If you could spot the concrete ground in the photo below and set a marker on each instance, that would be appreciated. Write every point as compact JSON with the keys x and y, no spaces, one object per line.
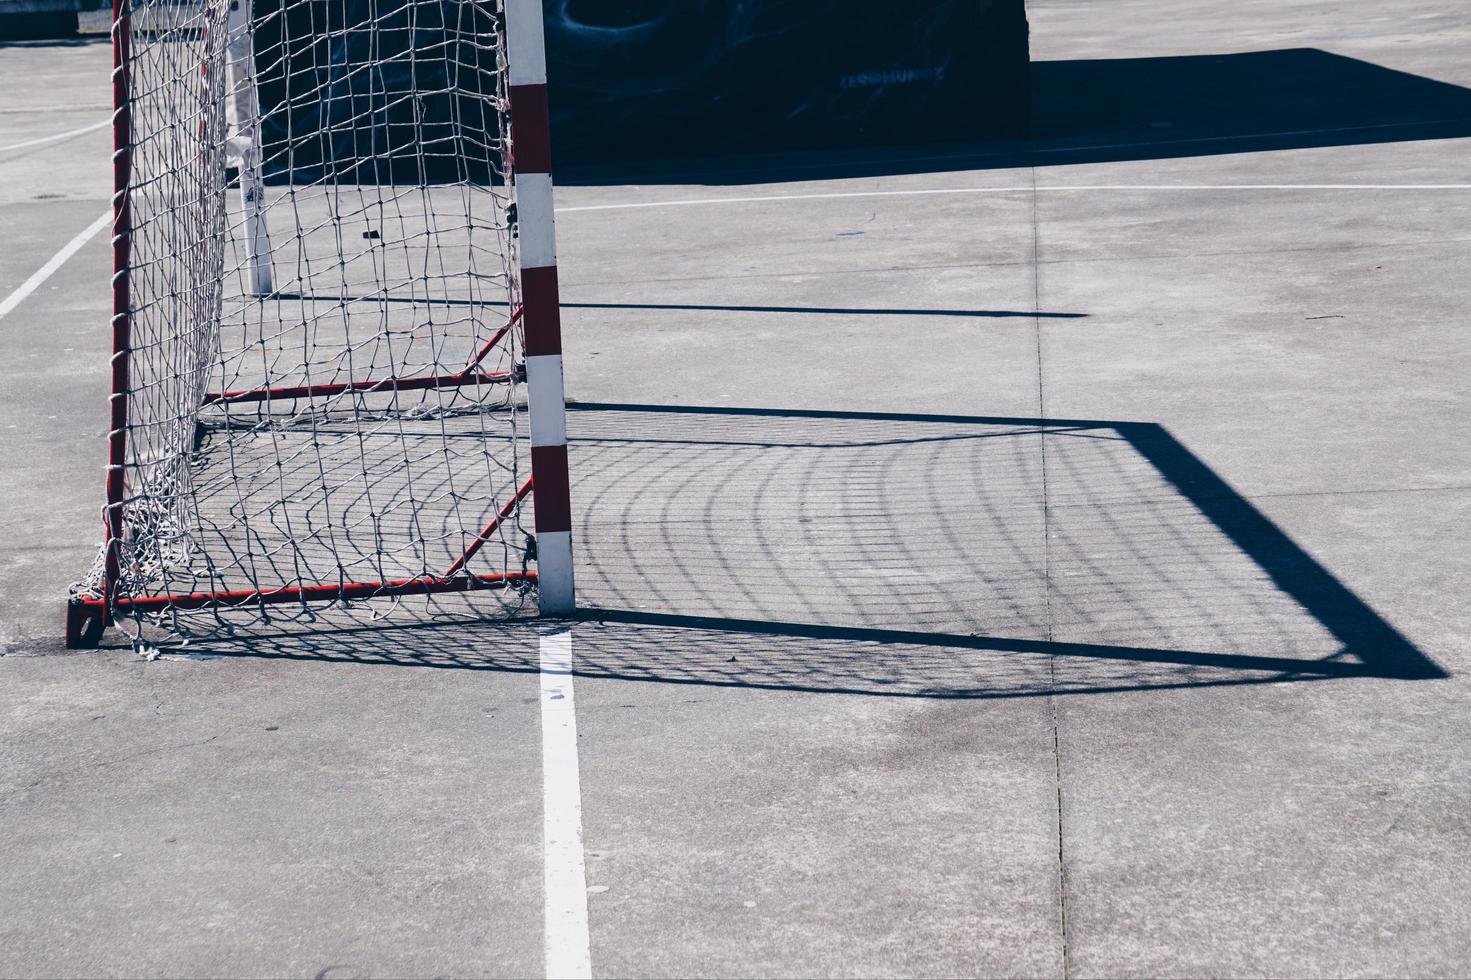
{"x":1065,"y":572}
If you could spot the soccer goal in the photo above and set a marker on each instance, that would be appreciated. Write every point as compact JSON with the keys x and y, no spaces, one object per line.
{"x":336,"y":369}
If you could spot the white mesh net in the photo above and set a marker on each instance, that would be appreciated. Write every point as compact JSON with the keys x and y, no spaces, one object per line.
{"x":324,"y":369}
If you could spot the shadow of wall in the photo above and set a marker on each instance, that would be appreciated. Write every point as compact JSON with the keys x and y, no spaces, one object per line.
{"x":1113,"y":109}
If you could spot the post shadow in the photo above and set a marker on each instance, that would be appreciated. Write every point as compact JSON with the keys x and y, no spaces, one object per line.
{"x":695,"y":307}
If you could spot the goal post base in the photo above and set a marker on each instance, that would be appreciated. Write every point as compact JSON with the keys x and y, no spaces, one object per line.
{"x":87,"y":616}
{"x":85,"y":623}
{"x":555,"y":593}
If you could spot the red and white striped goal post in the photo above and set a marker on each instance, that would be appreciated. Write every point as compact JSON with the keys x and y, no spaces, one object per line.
{"x":540,"y":306}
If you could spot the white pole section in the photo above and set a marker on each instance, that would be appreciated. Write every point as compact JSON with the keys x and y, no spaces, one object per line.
{"x":243,"y":112}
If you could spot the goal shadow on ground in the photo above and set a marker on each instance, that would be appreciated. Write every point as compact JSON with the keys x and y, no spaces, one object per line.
{"x":1116,"y":109}
{"x":903,"y":555}
{"x":937,"y":555}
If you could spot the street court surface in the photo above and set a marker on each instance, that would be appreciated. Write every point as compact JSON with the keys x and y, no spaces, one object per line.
{"x":1033,"y":560}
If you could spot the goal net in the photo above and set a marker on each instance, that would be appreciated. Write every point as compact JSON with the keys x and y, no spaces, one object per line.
{"x":336,"y":377}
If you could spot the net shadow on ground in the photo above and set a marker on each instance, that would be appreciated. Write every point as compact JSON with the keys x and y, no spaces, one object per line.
{"x":905,"y":555}
{"x":971,"y":551}
{"x":1115,"y":109}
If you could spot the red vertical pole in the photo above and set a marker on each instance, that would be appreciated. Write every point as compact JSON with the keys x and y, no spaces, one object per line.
{"x":122,"y":316}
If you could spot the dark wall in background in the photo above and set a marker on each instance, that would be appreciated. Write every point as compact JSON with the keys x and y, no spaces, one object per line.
{"x":663,"y":77}
{"x":635,"y":79}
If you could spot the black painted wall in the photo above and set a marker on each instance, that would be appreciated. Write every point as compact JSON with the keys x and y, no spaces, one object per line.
{"x":633,"y":79}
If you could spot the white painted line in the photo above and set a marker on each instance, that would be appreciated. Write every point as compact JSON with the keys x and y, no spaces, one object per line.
{"x":1044,"y":188}
{"x":52,"y":139}
{"x":55,"y":262}
{"x":568,"y":953}
{"x":1228,"y":138}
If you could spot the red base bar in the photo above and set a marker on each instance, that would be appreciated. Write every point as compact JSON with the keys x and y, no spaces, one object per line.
{"x":85,"y":615}
{"x":388,"y":384}
{"x":318,"y":593}
{"x":469,"y":376}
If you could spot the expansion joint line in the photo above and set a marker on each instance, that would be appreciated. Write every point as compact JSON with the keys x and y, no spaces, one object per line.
{"x":1062,"y":905}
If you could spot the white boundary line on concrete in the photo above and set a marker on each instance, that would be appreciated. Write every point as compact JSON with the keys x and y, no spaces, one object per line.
{"x":55,"y":262}
{"x":568,"y":952}
{"x":1230,"y":138}
{"x":1054,"y":188}
{"x":53,"y":139}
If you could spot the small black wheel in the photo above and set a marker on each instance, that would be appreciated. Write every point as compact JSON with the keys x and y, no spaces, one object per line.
{"x":85,"y":625}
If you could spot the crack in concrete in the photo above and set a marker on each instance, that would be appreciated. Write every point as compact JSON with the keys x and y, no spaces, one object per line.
{"x":1062,"y":903}
{"x":102,"y":764}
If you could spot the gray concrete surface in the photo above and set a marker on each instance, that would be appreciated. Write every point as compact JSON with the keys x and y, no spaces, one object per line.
{"x":989,"y":694}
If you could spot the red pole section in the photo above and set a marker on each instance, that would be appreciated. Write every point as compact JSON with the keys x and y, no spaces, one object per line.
{"x":531,"y":153}
{"x":122,"y":314}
